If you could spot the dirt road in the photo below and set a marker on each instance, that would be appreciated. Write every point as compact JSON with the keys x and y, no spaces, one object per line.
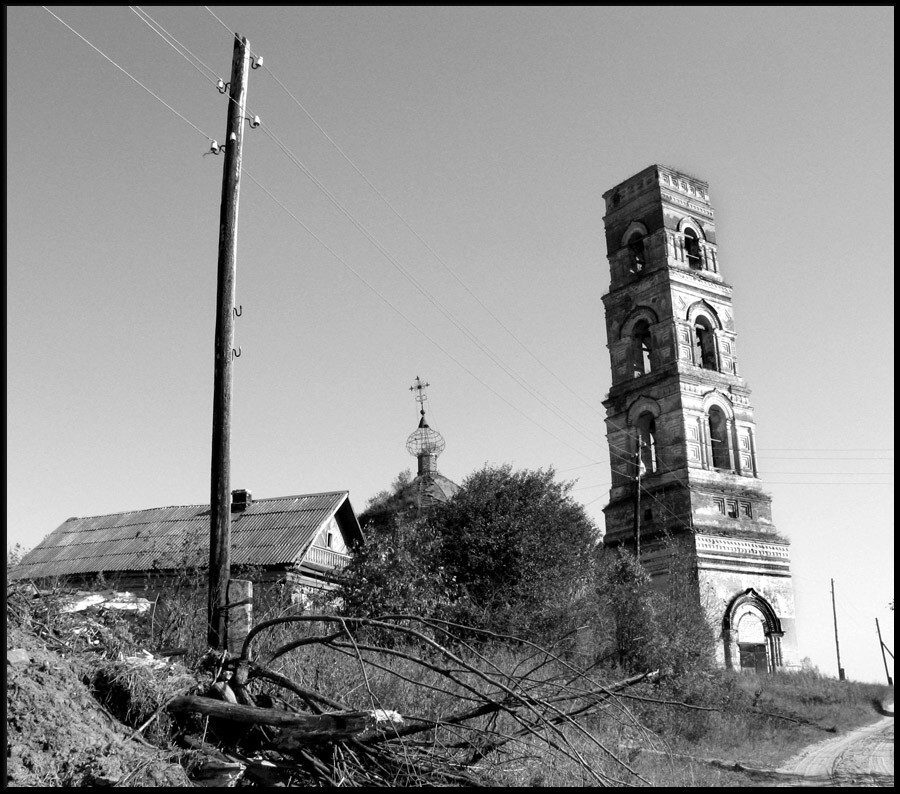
{"x":862,"y":757}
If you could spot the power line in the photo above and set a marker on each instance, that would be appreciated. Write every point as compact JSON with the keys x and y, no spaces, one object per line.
{"x":835,"y":473}
{"x":815,"y":449}
{"x":403,"y":220}
{"x":420,"y":287}
{"x":176,"y":45}
{"x":409,"y":276}
{"x":437,"y":257}
{"x":786,"y":457}
{"x":403,"y":315}
{"x":230,"y":31}
{"x":128,"y":74}
{"x":521,"y":382}
{"x":328,"y":248}
{"x":828,"y":484}
{"x":440,"y":347}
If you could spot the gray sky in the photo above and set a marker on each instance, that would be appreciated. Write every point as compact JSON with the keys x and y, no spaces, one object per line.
{"x":492,"y":133}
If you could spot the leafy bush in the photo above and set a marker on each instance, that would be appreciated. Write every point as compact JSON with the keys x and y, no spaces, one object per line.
{"x":656,"y":627}
{"x":398,"y":570}
{"x":510,"y":552}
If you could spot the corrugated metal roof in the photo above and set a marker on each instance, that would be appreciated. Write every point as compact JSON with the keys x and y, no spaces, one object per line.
{"x":268,"y":532}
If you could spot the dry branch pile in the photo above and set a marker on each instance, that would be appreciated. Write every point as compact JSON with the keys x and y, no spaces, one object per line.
{"x":473,"y":710}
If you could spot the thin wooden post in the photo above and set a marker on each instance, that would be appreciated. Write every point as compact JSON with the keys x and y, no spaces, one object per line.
{"x":883,"y":657}
{"x":220,"y":488}
{"x":837,"y":647}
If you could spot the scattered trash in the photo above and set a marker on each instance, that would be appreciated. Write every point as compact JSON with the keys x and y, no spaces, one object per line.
{"x":17,"y":656}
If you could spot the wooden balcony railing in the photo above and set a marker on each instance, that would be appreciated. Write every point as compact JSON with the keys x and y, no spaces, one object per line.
{"x":325,"y":559}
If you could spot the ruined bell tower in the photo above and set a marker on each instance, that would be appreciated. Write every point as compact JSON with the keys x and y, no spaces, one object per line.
{"x":679,"y":421}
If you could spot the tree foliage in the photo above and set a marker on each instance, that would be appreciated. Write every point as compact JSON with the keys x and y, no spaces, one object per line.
{"x":519,"y":549}
{"x":511,"y":552}
{"x":656,"y":626}
{"x":397,"y":570}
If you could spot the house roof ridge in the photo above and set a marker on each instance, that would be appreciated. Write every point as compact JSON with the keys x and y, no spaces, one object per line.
{"x":301,"y":495}
{"x":202,"y":505}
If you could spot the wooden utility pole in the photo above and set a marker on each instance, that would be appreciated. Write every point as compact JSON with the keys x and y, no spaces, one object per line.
{"x":836,"y":645}
{"x":883,"y":657}
{"x":220,"y":489}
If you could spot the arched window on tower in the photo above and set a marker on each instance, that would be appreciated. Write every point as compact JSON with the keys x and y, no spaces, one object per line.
{"x":646,"y":440}
{"x":641,"y":346}
{"x":692,"y":248}
{"x":718,"y":437}
{"x":704,"y":344}
{"x":636,"y":252}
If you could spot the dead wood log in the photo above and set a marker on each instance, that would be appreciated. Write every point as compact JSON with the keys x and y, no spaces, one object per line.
{"x":303,"y":727}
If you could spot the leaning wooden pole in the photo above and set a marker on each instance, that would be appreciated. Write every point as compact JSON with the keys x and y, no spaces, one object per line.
{"x":220,"y":489}
{"x":883,"y":657}
{"x":837,"y":646}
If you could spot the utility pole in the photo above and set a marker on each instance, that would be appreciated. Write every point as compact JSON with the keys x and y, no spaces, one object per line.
{"x":220,"y":488}
{"x":836,"y":645}
{"x":883,"y":657}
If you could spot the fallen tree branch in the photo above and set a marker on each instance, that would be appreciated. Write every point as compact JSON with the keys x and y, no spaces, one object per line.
{"x":681,"y":704}
{"x":312,"y":727}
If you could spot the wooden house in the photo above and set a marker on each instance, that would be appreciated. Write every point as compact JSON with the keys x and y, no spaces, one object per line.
{"x":298,"y":542}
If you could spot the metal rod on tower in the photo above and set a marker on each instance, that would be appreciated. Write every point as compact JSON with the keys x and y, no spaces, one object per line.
{"x":220,"y":487}
{"x":637,"y":503}
{"x":836,"y":645}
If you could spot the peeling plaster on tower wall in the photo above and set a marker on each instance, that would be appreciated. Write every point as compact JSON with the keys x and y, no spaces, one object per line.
{"x":679,"y":421}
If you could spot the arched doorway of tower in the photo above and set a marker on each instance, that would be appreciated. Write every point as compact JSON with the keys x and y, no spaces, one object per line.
{"x":752,"y":634}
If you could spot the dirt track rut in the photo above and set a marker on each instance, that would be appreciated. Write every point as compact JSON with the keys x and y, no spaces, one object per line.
{"x":862,"y":757}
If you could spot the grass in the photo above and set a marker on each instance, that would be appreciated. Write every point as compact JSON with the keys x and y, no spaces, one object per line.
{"x":663,"y":731}
{"x":658,"y":733}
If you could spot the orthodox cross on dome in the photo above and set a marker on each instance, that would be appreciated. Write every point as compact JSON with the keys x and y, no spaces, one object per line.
{"x":419,"y":393}
{"x":424,"y":443}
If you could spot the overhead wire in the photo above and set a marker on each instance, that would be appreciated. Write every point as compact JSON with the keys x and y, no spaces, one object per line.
{"x":423,"y":290}
{"x":362,"y":228}
{"x":346,"y":264}
{"x":428,"y":247}
{"x":230,"y":31}
{"x":419,"y":286}
{"x":402,"y":314}
{"x":415,"y":233}
{"x":176,"y":45}
{"x":322,"y":242}
{"x":341,"y":259}
{"x":128,"y":74}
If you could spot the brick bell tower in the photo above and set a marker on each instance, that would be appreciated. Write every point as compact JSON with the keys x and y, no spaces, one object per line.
{"x":679,"y":421}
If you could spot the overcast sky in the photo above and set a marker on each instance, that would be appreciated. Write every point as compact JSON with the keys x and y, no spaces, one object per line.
{"x":469,"y":151}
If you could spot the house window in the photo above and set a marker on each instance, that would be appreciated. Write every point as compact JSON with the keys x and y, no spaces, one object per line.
{"x":718,"y":436}
{"x":329,"y":539}
{"x":636,"y":251}
{"x":640,"y":337}
{"x":704,"y":344}
{"x":692,"y":248}
{"x":646,"y":439}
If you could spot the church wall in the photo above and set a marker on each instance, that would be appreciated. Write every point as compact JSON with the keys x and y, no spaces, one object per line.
{"x":719,"y":588}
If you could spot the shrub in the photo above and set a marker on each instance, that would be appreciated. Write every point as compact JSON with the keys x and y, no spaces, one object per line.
{"x":655,"y":628}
